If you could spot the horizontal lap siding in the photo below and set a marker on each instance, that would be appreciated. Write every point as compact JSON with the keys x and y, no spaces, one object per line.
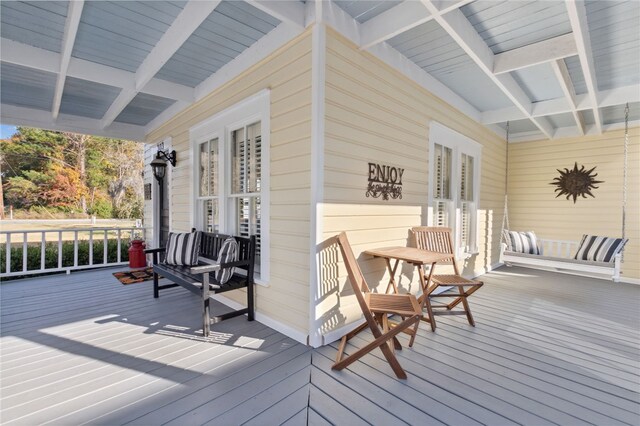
{"x":374,"y":114}
{"x":288,"y":74}
{"x":533,"y":206}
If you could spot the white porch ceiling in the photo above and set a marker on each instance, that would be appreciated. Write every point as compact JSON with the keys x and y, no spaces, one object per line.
{"x":552,"y":68}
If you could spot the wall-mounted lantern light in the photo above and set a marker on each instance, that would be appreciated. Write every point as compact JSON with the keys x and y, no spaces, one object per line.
{"x":159,"y":164}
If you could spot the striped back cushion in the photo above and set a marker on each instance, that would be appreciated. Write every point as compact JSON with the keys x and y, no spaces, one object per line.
{"x":599,"y":249}
{"x":182,"y":249}
{"x":521,"y":242}
{"x":228,"y":253}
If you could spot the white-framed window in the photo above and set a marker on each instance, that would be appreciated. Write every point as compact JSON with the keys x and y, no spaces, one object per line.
{"x":455,"y":181}
{"x":231,"y":173}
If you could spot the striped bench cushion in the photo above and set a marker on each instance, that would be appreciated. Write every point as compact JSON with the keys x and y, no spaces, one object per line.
{"x":599,"y":249}
{"x":521,"y":242}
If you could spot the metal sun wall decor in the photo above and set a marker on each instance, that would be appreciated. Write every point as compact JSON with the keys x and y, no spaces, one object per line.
{"x":576,"y":182}
{"x":384,"y":181}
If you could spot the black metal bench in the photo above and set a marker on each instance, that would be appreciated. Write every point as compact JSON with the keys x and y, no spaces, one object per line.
{"x":193,"y":277}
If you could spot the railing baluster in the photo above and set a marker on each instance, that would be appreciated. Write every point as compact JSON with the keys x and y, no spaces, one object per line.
{"x":43,"y":251}
{"x":75,"y":248}
{"x":105,"y":247}
{"x":60,"y":249}
{"x":8,"y":255}
{"x":119,"y":246}
{"x":29,"y":266}
{"x":24,"y":251}
{"x":90,"y":246}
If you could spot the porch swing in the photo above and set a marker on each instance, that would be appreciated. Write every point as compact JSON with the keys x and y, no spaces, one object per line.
{"x":594,"y":256}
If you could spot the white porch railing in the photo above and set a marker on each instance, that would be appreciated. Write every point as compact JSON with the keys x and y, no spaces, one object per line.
{"x":64,"y":249}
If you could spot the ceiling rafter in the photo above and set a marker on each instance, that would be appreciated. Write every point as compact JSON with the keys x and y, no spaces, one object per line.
{"x":22,"y":116}
{"x":398,"y":19}
{"x":578,"y":19}
{"x":289,"y":12}
{"x":536,"y":53}
{"x":562,"y":74}
{"x":268,"y":44}
{"x":189,"y":19}
{"x":68,"y":41}
{"x":459,"y":28}
{"x":346,"y":25}
{"x":611,"y":97}
{"x":569,"y":132}
{"x":45,"y":60}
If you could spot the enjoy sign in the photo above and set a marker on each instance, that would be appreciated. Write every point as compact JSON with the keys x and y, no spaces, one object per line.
{"x":385,"y":181}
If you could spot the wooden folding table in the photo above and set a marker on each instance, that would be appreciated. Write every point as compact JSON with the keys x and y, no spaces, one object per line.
{"x":417,"y":257}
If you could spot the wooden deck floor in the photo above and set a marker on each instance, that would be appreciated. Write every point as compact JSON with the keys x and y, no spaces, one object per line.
{"x":547,"y":349}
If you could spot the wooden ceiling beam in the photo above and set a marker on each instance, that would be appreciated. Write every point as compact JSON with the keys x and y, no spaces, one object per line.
{"x":562,"y":74}
{"x":193,"y":14}
{"x":459,"y":28}
{"x":288,"y":12}
{"x":68,"y":40}
{"x":44,"y":60}
{"x":536,"y":53}
{"x":611,"y":97}
{"x":578,"y":19}
{"x":398,"y":19}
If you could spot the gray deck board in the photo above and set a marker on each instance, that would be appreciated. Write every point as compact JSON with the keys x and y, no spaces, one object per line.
{"x":413,"y":397}
{"x":290,"y":410}
{"x":325,"y":409}
{"x":547,"y":349}
{"x":278,"y":394}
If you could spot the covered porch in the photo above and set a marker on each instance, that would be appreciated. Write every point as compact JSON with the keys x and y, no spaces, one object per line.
{"x":548,"y":349}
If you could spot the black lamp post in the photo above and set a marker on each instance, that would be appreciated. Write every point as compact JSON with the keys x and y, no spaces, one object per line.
{"x":159,"y":164}
{"x":159,"y":167}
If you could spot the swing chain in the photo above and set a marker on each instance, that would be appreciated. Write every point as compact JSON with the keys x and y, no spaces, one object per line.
{"x":624,"y":176}
{"x":505,"y":217}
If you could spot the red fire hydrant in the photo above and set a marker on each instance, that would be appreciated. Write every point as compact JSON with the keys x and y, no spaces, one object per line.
{"x":137,"y":257}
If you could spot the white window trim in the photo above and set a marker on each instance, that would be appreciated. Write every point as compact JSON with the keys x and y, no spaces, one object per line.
{"x":248,"y":111}
{"x":459,"y":144}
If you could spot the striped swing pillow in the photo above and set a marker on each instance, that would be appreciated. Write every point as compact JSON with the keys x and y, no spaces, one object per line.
{"x":599,"y":249}
{"x":521,"y":242}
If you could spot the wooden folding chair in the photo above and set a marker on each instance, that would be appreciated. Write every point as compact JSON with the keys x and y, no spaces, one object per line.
{"x":438,"y":239}
{"x":376,"y":309}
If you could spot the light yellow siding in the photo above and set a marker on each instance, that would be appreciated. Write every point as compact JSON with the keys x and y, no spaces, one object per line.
{"x":533,"y":204}
{"x":287,"y":73}
{"x":375,"y":114}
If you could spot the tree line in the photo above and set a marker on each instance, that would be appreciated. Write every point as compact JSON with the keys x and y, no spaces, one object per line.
{"x":47,"y":173}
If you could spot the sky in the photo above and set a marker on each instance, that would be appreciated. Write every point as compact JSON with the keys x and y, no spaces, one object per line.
{"x":6,"y":131}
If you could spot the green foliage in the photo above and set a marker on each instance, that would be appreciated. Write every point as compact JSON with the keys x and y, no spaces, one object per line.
{"x":31,"y":149}
{"x":51,"y":254}
{"x":71,"y":172}
{"x":21,"y":192}
{"x":36,"y":177}
{"x":102,"y":209}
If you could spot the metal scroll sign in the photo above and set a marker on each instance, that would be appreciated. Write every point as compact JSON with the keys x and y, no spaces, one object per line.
{"x":147,"y":191}
{"x":384,"y":181}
